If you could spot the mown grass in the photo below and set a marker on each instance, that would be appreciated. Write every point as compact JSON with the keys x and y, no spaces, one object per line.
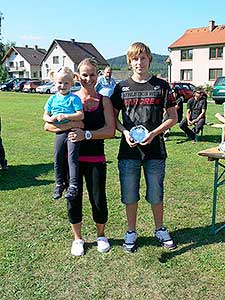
{"x":35,"y":237}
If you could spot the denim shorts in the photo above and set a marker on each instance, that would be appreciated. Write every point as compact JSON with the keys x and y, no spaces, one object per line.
{"x":130,"y":174}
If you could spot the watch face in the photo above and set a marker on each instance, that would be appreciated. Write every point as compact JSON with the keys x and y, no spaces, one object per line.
{"x":88,"y":135}
{"x":138,"y":133}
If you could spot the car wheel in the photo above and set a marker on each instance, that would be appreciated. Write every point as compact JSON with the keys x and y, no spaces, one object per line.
{"x":48,"y":91}
{"x":218,"y":102}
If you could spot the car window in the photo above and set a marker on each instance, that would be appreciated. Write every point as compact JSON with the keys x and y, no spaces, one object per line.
{"x":220,"y":81}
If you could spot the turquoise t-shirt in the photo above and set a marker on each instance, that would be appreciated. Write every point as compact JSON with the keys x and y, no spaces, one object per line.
{"x":60,"y":104}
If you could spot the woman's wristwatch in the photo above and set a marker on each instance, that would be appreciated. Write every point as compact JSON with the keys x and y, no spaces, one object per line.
{"x":87,"y":135}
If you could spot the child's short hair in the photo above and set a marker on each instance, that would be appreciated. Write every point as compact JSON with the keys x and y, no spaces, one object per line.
{"x":136,"y":49}
{"x":61,"y":71}
{"x":87,"y":61}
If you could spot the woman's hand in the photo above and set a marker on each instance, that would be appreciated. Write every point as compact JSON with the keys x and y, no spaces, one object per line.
{"x":76,"y":135}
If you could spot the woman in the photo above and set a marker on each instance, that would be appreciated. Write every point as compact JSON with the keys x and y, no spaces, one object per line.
{"x":99,"y":124}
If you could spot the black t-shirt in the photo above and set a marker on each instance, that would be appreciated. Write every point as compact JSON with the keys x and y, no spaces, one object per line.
{"x":143,"y":104}
{"x":196,"y":106}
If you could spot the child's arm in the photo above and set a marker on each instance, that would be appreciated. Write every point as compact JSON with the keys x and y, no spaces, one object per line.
{"x":48,"y":118}
{"x":77,"y":116}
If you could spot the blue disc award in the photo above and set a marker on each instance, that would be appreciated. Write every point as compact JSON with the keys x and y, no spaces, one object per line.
{"x":138,"y":133}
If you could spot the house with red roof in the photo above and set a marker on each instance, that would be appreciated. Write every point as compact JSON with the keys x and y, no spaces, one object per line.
{"x":198,"y":56}
{"x":70,"y":54}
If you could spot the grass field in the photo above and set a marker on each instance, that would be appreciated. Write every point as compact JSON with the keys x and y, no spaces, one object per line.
{"x":35,"y":236}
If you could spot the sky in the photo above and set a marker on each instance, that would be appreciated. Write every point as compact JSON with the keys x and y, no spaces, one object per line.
{"x":111,"y":26}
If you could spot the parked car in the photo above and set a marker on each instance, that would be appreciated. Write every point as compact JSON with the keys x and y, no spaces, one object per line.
{"x":53,"y":89}
{"x":18,"y":86}
{"x":218,"y":92}
{"x":76,"y":87}
{"x":8,"y":85}
{"x":185,"y":89}
{"x":31,"y":85}
{"x":45,"y":88}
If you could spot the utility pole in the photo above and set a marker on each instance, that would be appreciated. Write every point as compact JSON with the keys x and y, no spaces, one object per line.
{"x":1,"y":18}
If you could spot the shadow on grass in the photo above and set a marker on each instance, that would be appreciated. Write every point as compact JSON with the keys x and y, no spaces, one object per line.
{"x":181,"y":138}
{"x":24,"y":176}
{"x":194,"y":238}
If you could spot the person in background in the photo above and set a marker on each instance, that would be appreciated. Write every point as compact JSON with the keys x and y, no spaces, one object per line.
{"x":3,"y":161}
{"x":60,"y":108}
{"x":142,"y":99}
{"x":196,"y":114}
{"x":99,"y":124}
{"x":106,"y":83}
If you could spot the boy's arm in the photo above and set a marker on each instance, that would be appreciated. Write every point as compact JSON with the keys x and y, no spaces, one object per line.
{"x":122,"y":129}
{"x":168,"y":123}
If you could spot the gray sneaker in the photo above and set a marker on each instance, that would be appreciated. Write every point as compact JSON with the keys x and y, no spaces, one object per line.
{"x":162,"y":235}
{"x":130,"y":240}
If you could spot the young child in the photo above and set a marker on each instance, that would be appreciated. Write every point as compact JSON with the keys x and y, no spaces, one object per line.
{"x":60,"y":108}
{"x":142,"y":99}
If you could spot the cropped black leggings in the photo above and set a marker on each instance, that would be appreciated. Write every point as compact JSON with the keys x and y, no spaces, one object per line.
{"x":95,"y":177}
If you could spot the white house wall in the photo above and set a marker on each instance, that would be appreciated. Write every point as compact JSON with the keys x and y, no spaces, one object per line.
{"x":16,"y":58}
{"x":48,"y":65}
{"x":200,"y":65}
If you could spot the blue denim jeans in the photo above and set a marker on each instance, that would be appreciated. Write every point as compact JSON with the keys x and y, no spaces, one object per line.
{"x":130,"y":175}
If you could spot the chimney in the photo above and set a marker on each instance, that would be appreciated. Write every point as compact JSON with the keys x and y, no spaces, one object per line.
{"x":211,"y":25}
{"x":36,"y":47}
{"x":72,"y":40}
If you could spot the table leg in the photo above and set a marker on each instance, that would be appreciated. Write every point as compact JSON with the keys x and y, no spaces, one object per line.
{"x":216,"y":185}
{"x":215,"y":196}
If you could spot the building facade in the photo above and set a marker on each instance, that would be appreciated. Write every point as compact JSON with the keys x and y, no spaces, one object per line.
{"x":198,"y":56}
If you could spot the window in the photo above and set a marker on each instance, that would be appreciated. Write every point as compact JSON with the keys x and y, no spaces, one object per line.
{"x":186,"y":74}
{"x":35,"y":75}
{"x":55,"y":59}
{"x":11,"y":64}
{"x":186,"y":54}
{"x":215,"y":52}
{"x":214,"y":73}
{"x":21,"y":63}
{"x":64,"y":57}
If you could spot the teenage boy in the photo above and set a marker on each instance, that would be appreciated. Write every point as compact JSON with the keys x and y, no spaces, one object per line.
{"x":142,"y":100}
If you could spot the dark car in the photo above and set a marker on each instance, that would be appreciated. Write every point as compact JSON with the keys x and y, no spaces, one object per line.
{"x":185,"y":89}
{"x":18,"y":87}
{"x":8,"y":85}
{"x":218,"y":92}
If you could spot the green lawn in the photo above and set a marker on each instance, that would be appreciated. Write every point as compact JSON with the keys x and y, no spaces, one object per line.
{"x":35,"y":237}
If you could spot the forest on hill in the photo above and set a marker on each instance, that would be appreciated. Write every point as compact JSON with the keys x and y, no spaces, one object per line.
{"x":158,"y":65}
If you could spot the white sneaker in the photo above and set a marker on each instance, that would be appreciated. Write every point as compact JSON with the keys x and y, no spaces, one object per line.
{"x":77,"y":248}
{"x":130,"y":239}
{"x":103,"y":244}
{"x":163,"y":236}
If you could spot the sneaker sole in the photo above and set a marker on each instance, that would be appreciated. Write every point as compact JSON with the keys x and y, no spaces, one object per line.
{"x":130,"y":250}
{"x":172,"y":247}
{"x":104,"y":251}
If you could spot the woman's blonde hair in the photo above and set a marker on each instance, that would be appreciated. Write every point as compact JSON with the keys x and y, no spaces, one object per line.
{"x":87,"y":61}
{"x":62,"y":71}
{"x":136,"y":49}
